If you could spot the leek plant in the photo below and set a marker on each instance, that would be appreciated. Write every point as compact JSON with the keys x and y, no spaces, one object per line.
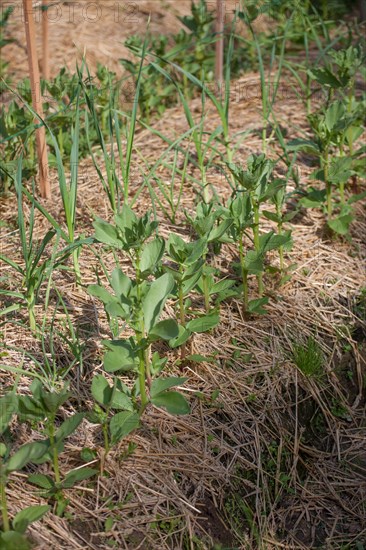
{"x":37,"y":269}
{"x":112,"y":184}
{"x":269,"y":87}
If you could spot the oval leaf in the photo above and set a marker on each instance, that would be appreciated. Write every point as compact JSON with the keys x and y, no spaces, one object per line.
{"x":205,"y":323}
{"x":122,"y":424}
{"x":166,"y":330}
{"x":172,"y":401}
{"x":26,"y":454}
{"x":155,"y":299}
{"x":121,"y":356}
{"x":162,"y":384}
{"x":151,"y":255}
{"x":27,"y":516}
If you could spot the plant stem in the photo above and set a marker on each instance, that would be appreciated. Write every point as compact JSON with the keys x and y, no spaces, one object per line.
{"x":341,"y":193}
{"x":257,"y":245}
{"x":75,"y":257}
{"x":206,"y":194}
{"x":205,"y":287}
{"x":139,"y":337}
{"x":280,"y":250}
{"x":244,"y":274}
{"x":56,"y":467}
{"x":182,"y":313}
{"x":328,"y":185}
{"x":30,"y":304}
{"x":105,"y":437}
{"x":4,"y":505}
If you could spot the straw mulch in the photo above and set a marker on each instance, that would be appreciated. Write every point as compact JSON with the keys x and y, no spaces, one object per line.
{"x":277,"y":460}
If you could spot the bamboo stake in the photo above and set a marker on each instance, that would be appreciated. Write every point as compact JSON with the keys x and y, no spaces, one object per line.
{"x":36,"y":97}
{"x":45,"y":52}
{"x":219,"y":65}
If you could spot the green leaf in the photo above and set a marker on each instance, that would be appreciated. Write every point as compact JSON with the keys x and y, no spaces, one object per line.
{"x":75,"y":476}
{"x":3,"y":450}
{"x":198,"y":358}
{"x":314,"y":199}
{"x":122,"y":424}
{"x":126,"y":219}
{"x":87,"y":454}
{"x":162,"y":384}
{"x":41,"y":480}
{"x":121,"y":401}
{"x":27,"y":516}
{"x":172,"y":401}
{"x":165,"y":330}
{"x":98,"y":291}
{"x":8,"y":407}
{"x":341,"y":224}
{"x":271,"y":241}
{"x":106,"y":233}
{"x":101,"y":390}
{"x":121,"y":356}
{"x":271,"y":216}
{"x":219,"y":230}
{"x":53,"y":401}
{"x":30,"y":409}
{"x":11,"y":540}
{"x":151,"y":255}
{"x":121,"y":284}
{"x":255,"y":306}
{"x":155,"y":299}
{"x":221,"y":286}
{"x":304,"y":145}
{"x":68,"y":426}
{"x":183,"y":336}
{"x":325,"y":77}
{"x":358,"y":197}
{"x":204,"y":323}
{"x":253,"y":262}
{"x":27,"y":453}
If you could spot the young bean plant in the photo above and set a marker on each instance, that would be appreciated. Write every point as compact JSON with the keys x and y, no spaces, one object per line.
{"x":139,"y":302}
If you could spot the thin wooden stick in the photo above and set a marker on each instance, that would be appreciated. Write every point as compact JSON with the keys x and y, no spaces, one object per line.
{"x":45,"y":52}
{"x":36,"y":98}
{"x":219,"y":65}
